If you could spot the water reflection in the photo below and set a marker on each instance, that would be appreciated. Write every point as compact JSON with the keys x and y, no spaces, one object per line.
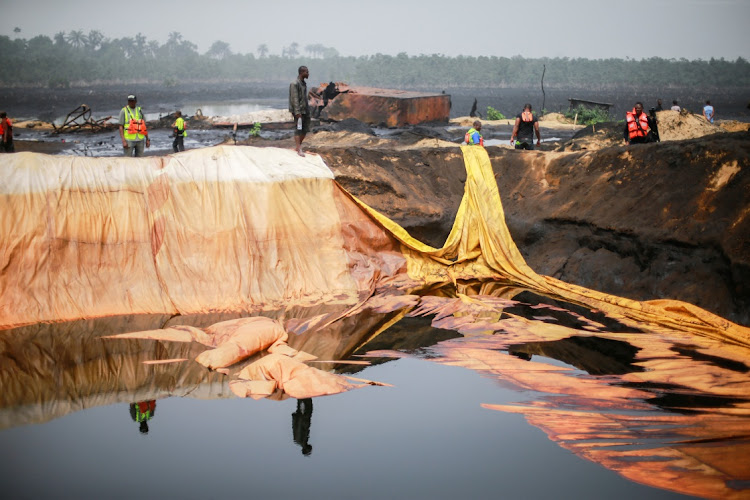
{"x":142,"y":412}
{"x":663,"y":408}
{"x":301,"y":420}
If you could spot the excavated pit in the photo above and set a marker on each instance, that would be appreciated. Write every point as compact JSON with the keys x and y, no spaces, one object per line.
{"x":644,"y":222}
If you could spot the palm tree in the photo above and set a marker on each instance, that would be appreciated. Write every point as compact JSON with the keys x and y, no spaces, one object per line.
{"x":262,"y":50}
{"x":59,"y":38}
{"x":292,"y":51}
{"x":219,"y":50}
{"x":140,"y":45}
{"x":95,"y":39}
{"x":77,"y":39}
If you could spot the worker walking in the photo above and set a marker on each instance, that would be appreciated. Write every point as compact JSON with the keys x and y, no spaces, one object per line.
{"x":179,"y":133}
{"x":6,"y":130}
{"x":133,"y":129}
{"x":473,"y":137}
{"x":524,"y":128}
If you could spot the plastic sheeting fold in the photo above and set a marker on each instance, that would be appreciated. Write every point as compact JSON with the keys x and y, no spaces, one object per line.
{"x":241,"y":228}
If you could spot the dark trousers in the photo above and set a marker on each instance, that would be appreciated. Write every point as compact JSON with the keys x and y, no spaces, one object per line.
{"x":179,"y":143}
{"x":7,"y":147}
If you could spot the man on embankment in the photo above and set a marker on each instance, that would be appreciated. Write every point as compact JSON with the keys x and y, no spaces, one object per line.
{"x":300,"y":108}
{"x":637,"y":126}
{"x":523,"y":130}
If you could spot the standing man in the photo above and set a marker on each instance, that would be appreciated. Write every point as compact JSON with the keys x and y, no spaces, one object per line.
{"x":473,"y":137}
{"x":637,"y":126}
{"x":6,"y":129}
{"x":524,"y":128}
{"x":675,"y":106}
{"x":659,"y":106}
{"x":708,"y":112}
{"x":300,"y":108}
{"x":179,"y":132}
{"x":133,"y":129}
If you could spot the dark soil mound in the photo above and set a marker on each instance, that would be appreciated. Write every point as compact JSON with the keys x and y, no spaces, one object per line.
{"x":351,"y":125}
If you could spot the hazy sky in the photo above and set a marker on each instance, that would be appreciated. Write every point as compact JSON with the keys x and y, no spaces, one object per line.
{"x":574,"y":28}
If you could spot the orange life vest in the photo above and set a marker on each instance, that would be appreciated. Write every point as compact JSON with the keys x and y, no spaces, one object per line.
{"x":136,"y":124}
{"x":637,"y":125}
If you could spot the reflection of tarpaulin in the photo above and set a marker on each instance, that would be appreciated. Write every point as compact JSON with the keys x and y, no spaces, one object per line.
{"x":243,"y":229}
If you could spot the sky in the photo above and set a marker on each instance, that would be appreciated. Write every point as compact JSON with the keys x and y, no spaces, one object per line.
{"x":693,"y":29}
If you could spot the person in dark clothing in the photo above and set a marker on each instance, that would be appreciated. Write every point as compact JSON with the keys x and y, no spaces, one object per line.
{"x":659,"y":107}
{"x":299,"y":107}
{"x":301,"y":420}
{"x":523,"y":130}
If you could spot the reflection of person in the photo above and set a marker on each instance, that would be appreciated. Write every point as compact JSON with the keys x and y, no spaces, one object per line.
{"x":133,"y":128}
{"x":473,"y":137}
{"x":523,"y":130}
{"x":299,"y":107}
{"x":301,"y":424}
{"x":675,"y":106}
{"x":6,"y":130}
{"x":143,"y":412}
{"x":637,"y":126}
{"x":708,"y":112}
{"x":179,"y":132}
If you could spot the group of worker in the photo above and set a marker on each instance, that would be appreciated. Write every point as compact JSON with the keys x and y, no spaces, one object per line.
{"x":639,"y":127}
{"x":134,"y":133}
{"x":526,"y":125}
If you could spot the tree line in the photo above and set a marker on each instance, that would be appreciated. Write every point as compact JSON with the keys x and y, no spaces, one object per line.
{"x":78,"y":58}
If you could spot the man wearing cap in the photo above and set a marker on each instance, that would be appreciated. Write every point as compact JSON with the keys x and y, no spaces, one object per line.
{"x":133,"y":129}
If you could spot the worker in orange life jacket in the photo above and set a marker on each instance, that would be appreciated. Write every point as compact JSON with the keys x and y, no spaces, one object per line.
{"x":133,"y":130}
{"x":524,"y":128}
{"x":638,"y":126}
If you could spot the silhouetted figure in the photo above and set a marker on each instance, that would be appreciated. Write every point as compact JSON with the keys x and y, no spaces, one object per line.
{"x":301,"y":424}
{"x":143,"y":412}
{"x":474,"y":113}
{"x":659,"y":106}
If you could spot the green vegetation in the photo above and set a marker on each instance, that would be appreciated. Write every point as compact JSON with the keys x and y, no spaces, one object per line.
{"x":78,"y":58}
{"x":588,"y":116}
{"x":493,"y":114}
{"x":255,"y":131}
